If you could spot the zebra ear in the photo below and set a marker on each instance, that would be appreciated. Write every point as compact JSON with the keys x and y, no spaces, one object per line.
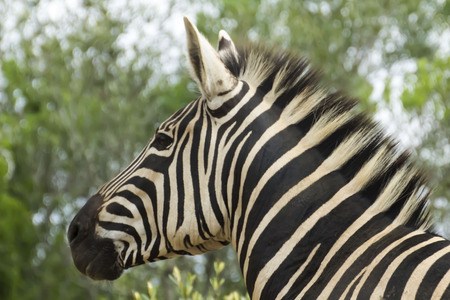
{"x":227,"y":49}
{"x":208,"y":69}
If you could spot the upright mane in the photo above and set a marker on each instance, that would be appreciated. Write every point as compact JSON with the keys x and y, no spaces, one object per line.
{"x":399,"y":186}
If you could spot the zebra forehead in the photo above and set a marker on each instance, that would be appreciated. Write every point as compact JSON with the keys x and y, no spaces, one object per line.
{"x":175,"y":119}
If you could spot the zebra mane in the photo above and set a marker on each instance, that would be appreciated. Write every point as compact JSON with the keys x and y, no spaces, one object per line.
{"x":391,"y":174}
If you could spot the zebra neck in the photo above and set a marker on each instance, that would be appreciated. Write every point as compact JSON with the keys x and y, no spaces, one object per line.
{"x":307,"y":189}
{"x":293,"y":209}
{"x":285,"y":245}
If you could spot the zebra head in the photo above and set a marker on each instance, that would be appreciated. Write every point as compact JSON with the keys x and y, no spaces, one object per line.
{"x":165,"y":203}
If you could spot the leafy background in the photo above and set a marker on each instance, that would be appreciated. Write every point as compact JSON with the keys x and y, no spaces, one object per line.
{"x":83,"y":85}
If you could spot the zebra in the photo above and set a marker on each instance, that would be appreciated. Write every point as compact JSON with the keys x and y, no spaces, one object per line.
{"x":317,"y":201}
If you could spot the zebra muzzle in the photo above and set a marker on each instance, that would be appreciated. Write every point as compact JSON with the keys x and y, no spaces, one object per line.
{"x":93,"y":256}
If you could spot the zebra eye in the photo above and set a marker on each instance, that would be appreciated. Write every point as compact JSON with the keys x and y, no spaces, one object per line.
{"x":162,"y":141}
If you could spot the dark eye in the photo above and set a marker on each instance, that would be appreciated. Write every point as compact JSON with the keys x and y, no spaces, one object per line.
{"x":162,"y":141}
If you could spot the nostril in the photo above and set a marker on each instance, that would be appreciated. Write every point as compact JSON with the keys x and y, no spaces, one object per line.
{"x":81,"y":226}
{"x":73,"y":232}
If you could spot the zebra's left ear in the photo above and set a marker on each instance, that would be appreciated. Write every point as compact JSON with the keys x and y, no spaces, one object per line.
{"x":208,"y":69}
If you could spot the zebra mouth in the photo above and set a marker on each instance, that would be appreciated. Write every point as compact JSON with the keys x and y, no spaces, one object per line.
{"x":97,"y":259}
{"x":101,"y":269}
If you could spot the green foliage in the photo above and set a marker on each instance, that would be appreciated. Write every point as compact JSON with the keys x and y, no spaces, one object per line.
{"x":429,"y":84}
{"x":186,"y":288}
{"x":18,"y":237}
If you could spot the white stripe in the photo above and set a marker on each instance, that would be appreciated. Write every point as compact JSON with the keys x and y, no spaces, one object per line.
{"x":230,"y":183}
{"x":291,"y":281}
{"x":344,"y":294}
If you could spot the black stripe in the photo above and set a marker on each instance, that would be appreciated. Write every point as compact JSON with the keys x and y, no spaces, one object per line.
{"x":180,"y":183}
{"x":256,"y":129}
{"x":139,"y":204}
{"x":187,"y":242}
{"x":126,"y":245}
{"x":129,"y":261}
{"x":376,"y":274}
{"x":118,"y":210}
{"x":351,"y":290}
{"x":230,"y":103}
{"x":207,"y":141}
{"x":400,"y":277}
{"x":433,"y":276}
{"x":129,"y":230}
{"x":165,"y":216}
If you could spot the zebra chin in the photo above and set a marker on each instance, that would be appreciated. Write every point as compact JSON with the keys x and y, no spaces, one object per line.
{"x":93,"y":256}
{"x":99,"y":261}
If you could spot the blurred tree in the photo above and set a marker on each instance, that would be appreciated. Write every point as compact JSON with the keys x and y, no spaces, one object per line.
{"x":15,"y":222}
{"x":82,"y":87}
{"x":426,"y":96}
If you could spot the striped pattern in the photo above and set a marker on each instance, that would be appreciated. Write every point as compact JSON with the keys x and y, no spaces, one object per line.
{"x":316,"y":201}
